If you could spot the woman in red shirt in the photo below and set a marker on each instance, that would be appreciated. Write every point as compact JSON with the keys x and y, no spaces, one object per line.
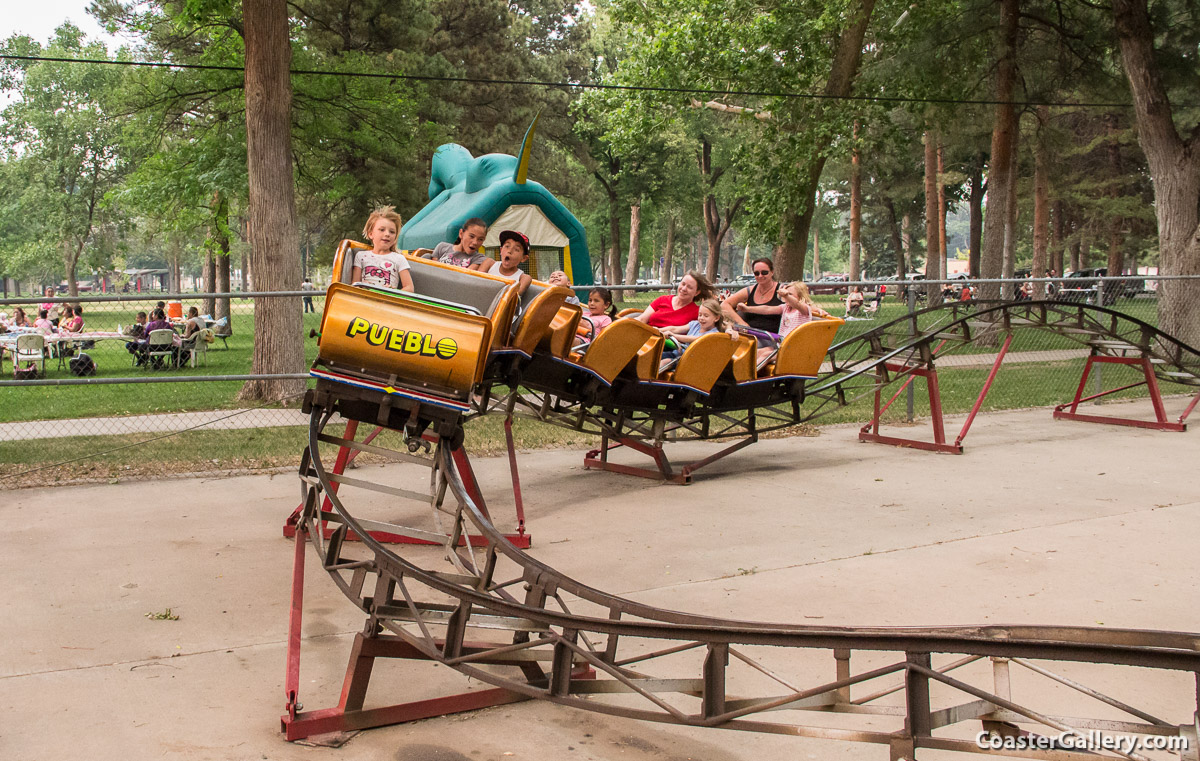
{"x":681,"y":308}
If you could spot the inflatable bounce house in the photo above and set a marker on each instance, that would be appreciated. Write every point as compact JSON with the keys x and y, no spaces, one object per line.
{"x":495,"y":188}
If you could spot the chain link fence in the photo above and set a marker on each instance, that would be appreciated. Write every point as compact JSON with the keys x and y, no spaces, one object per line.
{"x":134,"y":415}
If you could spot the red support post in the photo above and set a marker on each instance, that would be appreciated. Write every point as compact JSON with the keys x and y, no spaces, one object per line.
{"x":987,"y":386}
{"x":516,"y":477}
{"x":1160,"y":422}
{"x":870,"y":431}
{"x":598,"y":459}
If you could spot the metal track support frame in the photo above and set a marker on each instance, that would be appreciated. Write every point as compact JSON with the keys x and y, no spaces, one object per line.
{"x":345,"y":457}
{"x":870,"y":431}
{"x":1069,"y":411}
{"x":598,"y":459}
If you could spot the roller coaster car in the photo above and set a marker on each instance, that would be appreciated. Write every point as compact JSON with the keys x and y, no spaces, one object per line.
{"x":462,"y":331}
{"x":435,"y":343}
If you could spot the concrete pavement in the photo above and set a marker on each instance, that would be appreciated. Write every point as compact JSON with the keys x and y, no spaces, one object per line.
{"x":1039,"y":522}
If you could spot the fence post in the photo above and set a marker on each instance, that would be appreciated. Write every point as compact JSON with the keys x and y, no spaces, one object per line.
{"x":912,"y":330}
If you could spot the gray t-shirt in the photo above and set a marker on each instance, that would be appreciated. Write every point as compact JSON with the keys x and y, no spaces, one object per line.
{"x":444,"y":252}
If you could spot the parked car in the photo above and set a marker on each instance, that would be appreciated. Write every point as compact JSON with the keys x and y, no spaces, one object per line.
{"x":829,"y":284}
{"x":1080,"y":287}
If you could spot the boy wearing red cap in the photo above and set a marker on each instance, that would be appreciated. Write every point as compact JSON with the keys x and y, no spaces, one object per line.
{"x":514,"y":249}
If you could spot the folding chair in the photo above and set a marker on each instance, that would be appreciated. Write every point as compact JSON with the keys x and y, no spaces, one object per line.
{"x":200,"y":343}
{"x":162,"y":344}
{"x":31,"y":347}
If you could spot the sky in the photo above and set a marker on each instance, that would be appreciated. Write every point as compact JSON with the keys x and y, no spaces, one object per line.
{"x":39,"y":18}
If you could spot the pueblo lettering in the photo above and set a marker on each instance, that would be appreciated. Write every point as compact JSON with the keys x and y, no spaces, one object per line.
{"x":402,"y":341}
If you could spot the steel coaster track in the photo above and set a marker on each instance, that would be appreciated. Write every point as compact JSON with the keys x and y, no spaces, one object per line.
{"x":493,"y":607}
{"x":864,"y":364}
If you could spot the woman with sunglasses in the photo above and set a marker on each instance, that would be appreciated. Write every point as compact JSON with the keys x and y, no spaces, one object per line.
{"x":759,"y":305}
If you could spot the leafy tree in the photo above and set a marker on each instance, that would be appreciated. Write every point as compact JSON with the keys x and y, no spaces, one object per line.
{"x":68,"y":147}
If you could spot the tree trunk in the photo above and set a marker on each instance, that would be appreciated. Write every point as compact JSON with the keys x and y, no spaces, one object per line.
{"x":746,"y":261}
{"x":1175,"y":169}
{"x":1010,"y":223}
{"x":209,"y":281}
{"x":1076,"y":245}
{"x":245,"y":272}
{"x":1115,"y":237}
{"x":816,"y":253}
{"x":221,"y":244}
{"x":976,"y":203}
{"x":1056,"y":238}
{"x":614,"y":254}
{"x":991,"y":259}
{"x":941,"y":198}
{"x":933,"y":249}
{"x":274,"y":243}
{"x":793,"y":239}
{"x":669,"y":250}
{"x":894,"y":232}
{"x":70,"y":260}
{"x":714,"y":227}
{"x":905,"y":263}
{"x":1041,"y":201}
{"x":635,"y":242}
{"x":855,"y":210}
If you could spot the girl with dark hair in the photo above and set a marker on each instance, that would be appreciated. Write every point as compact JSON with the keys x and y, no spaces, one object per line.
{"x":464,"y":251}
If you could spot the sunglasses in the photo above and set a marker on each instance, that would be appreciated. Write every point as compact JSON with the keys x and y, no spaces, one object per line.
{"x":762,"y":272}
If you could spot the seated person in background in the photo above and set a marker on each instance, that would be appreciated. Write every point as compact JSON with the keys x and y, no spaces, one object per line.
{"x":66,"y":320}
{"x":195,"y":323}
{"x":965,"y":294}
{"x":43,"y":324}
{"x":854,"y":301}
{"x":600,"y":313}
{"x":19,"y":320}
{"x":514,"y":249}
{"x":78,"y":324}
{"x":560,"y":279}
{"x":464,"y":252}
{"x":382,"y":265}
{"x":708,"y":320}
{"x":138,"y":328}
{"x":158,"y":321}
{"x":681,"y":308}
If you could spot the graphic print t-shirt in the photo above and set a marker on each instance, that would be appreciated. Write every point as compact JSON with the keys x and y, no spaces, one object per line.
{"x":380,"y":269}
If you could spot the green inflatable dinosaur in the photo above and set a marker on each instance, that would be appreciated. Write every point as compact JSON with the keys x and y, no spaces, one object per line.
{"x":495,"y":189}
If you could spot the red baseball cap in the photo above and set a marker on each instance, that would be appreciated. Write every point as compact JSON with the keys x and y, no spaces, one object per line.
{"x":518,"y":237}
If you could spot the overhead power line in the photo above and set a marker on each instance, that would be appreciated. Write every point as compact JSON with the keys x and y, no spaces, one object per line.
{"x":579,"y":85}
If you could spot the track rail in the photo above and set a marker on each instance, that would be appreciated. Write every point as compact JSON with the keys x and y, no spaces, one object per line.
{"x":492,"y":605}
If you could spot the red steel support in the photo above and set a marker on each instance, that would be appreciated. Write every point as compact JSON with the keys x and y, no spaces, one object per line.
{"x":349,"y":714}
{"x":291,"y":686}
{"x":598,"y":459}
{"x":516,"y":477}
{"x":870,"y":431}
{"x":1160,"y":422}
{"x":987,"y":386}
{"x":346,"y":455}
